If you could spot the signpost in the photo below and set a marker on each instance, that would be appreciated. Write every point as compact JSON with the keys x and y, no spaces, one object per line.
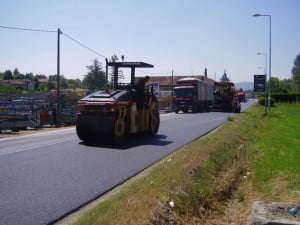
{"x":259,"y":83}
{"x":260,"y":86}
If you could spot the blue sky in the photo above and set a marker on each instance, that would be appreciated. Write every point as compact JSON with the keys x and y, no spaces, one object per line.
{"x":185,"y":36}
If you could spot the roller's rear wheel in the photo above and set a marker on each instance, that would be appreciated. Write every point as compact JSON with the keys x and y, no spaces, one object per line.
{"x":154,"y":122}
{"x":119,"y":132}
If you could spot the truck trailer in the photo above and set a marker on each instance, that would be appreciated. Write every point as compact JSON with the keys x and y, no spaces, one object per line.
{"x":192,"y":94}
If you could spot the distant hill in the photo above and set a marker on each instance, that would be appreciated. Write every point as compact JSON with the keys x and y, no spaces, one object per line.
{"x":244,"y":85}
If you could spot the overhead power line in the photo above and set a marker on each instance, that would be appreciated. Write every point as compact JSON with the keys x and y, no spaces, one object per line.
{"x":27,"y":29}
{"x":79,"y":43}
{"x":54,"y":31}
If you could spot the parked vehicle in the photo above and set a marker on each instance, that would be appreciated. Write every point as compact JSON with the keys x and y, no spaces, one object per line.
{"x":241,"y":96}
{"x":114,"y":114}
{"x":192,"y":94}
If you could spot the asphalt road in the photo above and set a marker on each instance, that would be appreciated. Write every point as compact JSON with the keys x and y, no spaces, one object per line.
{"x":44,"y":177}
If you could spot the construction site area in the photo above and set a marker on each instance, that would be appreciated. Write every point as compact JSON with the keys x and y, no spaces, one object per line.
{"x":25,"y":111}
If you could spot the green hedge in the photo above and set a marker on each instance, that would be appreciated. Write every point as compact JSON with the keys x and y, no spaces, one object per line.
{"x":280,"y":97}
{"x":286,"y":97}
{"x":261,"y":100}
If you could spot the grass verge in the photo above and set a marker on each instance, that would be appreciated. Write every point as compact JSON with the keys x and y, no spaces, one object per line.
{"x":215,"y":179}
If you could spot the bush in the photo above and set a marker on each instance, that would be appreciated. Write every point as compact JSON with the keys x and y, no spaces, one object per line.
{"x":165,"y":102}
{"x":286,"y":97}
{"x":261,"y":100}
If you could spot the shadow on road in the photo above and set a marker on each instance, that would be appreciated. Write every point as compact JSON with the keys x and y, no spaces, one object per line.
{"x":132,"y":141}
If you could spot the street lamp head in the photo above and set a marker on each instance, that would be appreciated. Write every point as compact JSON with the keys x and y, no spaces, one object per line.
{"x":260,"y":53}
{"x":257,"y":15}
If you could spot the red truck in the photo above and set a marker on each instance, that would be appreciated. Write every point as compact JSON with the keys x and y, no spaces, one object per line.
{"x":241,"y":96}
{"x":192,"y":94}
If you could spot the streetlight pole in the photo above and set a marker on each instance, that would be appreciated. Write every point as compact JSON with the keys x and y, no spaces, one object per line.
{"x":270,"y":56}
{"x":265,"y":72}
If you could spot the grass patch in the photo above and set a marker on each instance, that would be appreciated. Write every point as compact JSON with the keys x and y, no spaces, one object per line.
{"x":212,"y":172}
{"x":278,"y":145}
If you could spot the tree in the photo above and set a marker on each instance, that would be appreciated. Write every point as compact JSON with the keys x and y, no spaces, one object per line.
{"x":51,"y":85}
{"x":36,"y":83}
{"x":8,"y":75}
{"x":19,"y":76}
{"x":115,"y":58}
{"x":74,"y":83}
{"x":286,"y":85}
{"x":95,"y":79}
{"x":63,"y":82}
{"x":296,"y":72}
{"x":7,"y":89}
{"x":275,"y":85}
{"x":29,"y":76}
{"x":16,"y":71}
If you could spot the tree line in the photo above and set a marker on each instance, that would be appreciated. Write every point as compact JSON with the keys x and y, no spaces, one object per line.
{"x":34,"y":79}
{"x":288,"y":85}
{"x":95,"y":79}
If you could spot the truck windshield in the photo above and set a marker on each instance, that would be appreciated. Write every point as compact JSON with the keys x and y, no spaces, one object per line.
{"x":183,"y":92}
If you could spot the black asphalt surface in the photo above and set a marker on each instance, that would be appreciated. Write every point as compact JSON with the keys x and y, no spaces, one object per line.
{"x":46,"y":176}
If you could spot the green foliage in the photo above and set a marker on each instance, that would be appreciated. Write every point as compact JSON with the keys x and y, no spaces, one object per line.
{"x":296,"y":72}
{"x":230,"y":118}
{"x":262,"y":100}
{"x":115,"y":58}
{"x":8,"y":75}
{"x":241,"y":196}
{"x":286,"y":97}
{"x":34,"y":80}
{"x":7,"y":89}
{"x":95,"y":79}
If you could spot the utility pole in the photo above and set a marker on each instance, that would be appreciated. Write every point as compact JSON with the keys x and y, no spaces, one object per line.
{"x":172,"y":82}
{"x":106,"y":71}
{"x":58,"y":81}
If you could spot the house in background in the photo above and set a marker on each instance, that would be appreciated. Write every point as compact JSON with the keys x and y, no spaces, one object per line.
{"x":166,"y":83}
{"x":25,"y":84}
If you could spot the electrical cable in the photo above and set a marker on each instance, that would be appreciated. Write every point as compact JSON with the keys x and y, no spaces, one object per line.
{"x":82,"y":45}
{"x":27,"y":29}
{"x":52,"y":31}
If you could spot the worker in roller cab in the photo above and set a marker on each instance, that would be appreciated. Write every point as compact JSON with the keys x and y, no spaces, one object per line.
{"x":140,"y":92}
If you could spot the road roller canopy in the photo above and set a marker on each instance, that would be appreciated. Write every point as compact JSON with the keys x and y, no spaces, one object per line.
{"x":132,"y":65}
